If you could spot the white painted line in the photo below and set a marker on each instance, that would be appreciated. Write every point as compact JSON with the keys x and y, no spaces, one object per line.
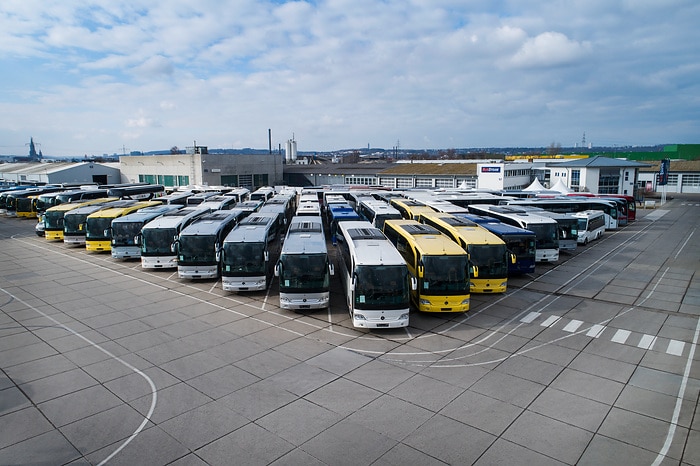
{"x":675,"y":347}
{"x":595,"y":331}
{"x":573,"y":326}
{"x":549,"y":321}
{"x":530,"y":317}
{"x":621,"y":336}
{"x":647,"y":342}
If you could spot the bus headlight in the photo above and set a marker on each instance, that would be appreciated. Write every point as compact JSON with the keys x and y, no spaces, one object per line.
{"x":284,"y":299}
{"x":403,"y":316}
{"x":504,"y":284}
{"x":425,"y":302}
{"x":465,"y":301}
{"x":359,"y":316}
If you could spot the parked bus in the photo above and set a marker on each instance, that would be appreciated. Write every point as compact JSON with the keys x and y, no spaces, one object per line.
{"x":304,"y":268}
{"x":98,"y":225}
{"x":282,"y":204}
{"x":137,"y":191}
{"x":240,"y":194}
{"x":567,"y":223}
{"x":574,"y":204}
{"x":377,"y":212}
{"x":488,"y":255}
{"x":546,"y":229}
{"x":591,"y":225}
{"x":263,"y":193}
{"x":250,"y":206}
{"x":158,"y":237}
{"x":439,"y":265}
{"x":375,"y":277}
{"x":176,"y":198}
{"x":74,"y":221}
{"x":52,"y":221}
{"x":198,"y":246}
{"x":519,"y":242}
{"x":250,"y":252}
{"x":63,"y":197}
{"x":629,"y":202}
{"x":198,"y":198}
{"x":218,"y":203}
{"x":409,"y":208}
{"x":26,"y":197}
{"x":308,"y":208}
{"x":126,"y":230}
{"x":338,"y":213}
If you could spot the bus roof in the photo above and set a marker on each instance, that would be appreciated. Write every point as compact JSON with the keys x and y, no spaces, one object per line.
{"x":147,"y":213}
{"x":211,"y":223}
{"x":469,"y":231}
{"x":427,"y":239}
{"x":118,"y":211}
{"x":305,"y":235}
{"x":376,"y":248}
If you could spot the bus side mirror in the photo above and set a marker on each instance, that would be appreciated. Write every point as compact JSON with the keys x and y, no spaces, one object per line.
{"x":513,"y":259}
{"x":107,"y":232}
{"x":421,"y":270}
{"x":331,"y":269}
{"x":266,"y":256}
{"x":278,"y":269}
{"x":174,"y":246}
{"x":137,"y":239}
{"x":352,"y":282}
{"x":414,"y":283}
{"x":475,"y":271}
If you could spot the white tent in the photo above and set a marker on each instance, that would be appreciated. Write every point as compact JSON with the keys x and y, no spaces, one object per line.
{"x":535,"y":186}
{"x":561,"y":187}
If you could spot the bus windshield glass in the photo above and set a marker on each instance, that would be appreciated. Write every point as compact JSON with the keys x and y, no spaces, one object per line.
{"x":381,"y":287}
{"x":300,"y":272}
{"x":198,"y":248}
{"x":491,"y":259}
{"x":74,"y":223}
{"x":546,"y":235}
{"x":244,"y":259}
{"x":124,"y":233}
{"x":155,"y":241}
{"x":53,"y":220}
{"x":447,"y":275}
{"x":96,"y":227}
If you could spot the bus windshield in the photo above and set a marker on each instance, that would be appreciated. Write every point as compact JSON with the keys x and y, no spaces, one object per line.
{"x":53,"y":220}
{"x":491,"y":259}
{"x":381,"y":287}
{"x":447,"y":275}
{"x":157,"y":240}
{"x":521,"y":246}
{"x":124,"y":233}
{"x":547,"y":235}
{"x":300,"y":272}
{"x":199,"y":248}
{"x":96,"y":227}
{"x":74,"y":223}
{"x":244,"y":259}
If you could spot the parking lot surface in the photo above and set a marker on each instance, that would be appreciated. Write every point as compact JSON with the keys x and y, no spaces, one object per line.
{"x":592,"y":360}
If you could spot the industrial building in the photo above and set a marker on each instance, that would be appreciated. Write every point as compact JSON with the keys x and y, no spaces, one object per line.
{"x":60,"y":172}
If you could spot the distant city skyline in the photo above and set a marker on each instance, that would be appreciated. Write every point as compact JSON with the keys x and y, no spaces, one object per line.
{"x":98,"y":77}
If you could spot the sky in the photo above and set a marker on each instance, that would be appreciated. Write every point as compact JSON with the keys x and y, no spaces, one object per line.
{"x":113,"y":76}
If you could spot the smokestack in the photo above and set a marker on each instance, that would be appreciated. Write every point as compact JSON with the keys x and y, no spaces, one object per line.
{"x":269,"y":140}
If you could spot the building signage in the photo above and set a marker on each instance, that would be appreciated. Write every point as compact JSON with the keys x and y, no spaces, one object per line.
{"x":490,"y":169}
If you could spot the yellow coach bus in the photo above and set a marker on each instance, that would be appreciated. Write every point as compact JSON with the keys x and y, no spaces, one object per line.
{"x":440,"y":266}
{"x":488,"y":254}
{"x":98,"y":225}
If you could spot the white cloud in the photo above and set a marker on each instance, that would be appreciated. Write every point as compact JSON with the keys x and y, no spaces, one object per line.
{"x":549,"y":49}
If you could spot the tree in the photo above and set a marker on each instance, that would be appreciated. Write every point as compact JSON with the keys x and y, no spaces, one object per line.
{"x":554,"y":148}
{"x":174,"y":150}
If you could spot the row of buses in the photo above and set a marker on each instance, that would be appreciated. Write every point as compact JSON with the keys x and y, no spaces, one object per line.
{"x":394,"y":250}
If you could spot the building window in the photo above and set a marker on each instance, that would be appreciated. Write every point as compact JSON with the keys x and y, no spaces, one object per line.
{"x":245,"y":180}
{"x":608,"y":182}
{"x":404,"y":182}
{"x":183,"y":180}
{"x":444,"y":183}
{"x":424,"y":183}
{"x":229,"y":180}
{"x":689,"y":180}
{"x":359,"y":180}
{"x":150,"y":179}
{"x":260,"y":180}
{"x":575,"y":179}
{"x":388,"y":182}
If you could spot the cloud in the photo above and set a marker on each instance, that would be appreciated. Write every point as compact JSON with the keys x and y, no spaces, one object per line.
{"x":549,"y":49}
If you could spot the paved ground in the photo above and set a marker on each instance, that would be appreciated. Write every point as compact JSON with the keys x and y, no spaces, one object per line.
{"x":590,"y":361}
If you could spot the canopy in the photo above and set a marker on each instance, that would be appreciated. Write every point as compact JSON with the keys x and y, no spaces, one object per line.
{"x":535,"y":186}
{"x":561,"y":187}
